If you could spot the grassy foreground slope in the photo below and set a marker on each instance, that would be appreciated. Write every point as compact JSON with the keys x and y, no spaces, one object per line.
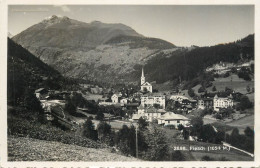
{"x":28,"y":149}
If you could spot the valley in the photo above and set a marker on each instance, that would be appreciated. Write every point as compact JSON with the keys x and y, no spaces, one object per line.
{"x":103,"y":92}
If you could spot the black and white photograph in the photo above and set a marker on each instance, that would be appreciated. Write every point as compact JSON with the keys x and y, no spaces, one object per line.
{"x":130,"y":83}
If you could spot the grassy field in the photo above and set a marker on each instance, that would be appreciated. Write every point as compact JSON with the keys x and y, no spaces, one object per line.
{"x":233,"y":82}
{"x":237,"y":84}
{"x":241,"y":124}
{"x":94,"y":97}
{"x":28,"y":149}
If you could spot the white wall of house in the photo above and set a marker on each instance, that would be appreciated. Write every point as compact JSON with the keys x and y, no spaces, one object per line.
{"x":151,"y":100}
{"x":114,"y":98}
{"x":123,"y":101}
{"x":222,"y":103}
{"x":152,"y":116}
{"x":174,"y":122}
{"x":149,"y":88}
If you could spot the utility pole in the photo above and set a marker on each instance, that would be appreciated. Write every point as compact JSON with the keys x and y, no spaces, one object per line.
{"x":136,"y":140}
{"x":225,"y":133}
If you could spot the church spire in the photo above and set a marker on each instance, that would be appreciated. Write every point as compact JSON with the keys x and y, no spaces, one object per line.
{"x":142,"y":77}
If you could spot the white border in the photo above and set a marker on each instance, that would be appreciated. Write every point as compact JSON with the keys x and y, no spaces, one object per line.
{"x":3,"y":76}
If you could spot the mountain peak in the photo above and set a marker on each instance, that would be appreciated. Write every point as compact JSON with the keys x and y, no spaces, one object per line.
{"x":55,"y":19}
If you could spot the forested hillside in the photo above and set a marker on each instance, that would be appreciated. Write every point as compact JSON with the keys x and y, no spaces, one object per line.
{"x":27,"y":72}
{"x":188,"y":64}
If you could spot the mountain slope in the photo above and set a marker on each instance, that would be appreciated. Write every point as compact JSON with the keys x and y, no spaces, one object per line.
{"x":96,"y":51}
{"x":27,"y":71}
{"x":188,"y":64}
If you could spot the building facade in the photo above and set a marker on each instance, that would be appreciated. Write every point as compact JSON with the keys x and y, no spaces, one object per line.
{"x":223,"y":102}
{"x":156,"y":100}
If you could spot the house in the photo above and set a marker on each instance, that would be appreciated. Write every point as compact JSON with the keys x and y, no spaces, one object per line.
{"x":123,"y":101}
{"x":171,"y":118}
{"x":145,"y":86}
{"x":41,"y":93}
{"x":140,"y":109}
{"x":187,"y":108}
{"x":136,"y":117}
{"x":179,"y":98}
{"x":116,"y":98}
{"x":132,"y":106}
{"x":223,"y":102}
{"x":153,"y":99}
{"x":152,"y":113}
{"x":205,"y":103}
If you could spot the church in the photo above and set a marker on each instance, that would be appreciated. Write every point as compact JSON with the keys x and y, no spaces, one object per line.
{"x":145,"y":86}
{"x":150,"y":98}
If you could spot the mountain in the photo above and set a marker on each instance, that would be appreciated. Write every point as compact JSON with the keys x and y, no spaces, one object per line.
{"x":25,"y":71}
{"x":188,"y":64}
{"x":95,"y":51}
{"x":115,"y":53}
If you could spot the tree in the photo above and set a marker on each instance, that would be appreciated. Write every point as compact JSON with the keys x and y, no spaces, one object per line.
{"x":201,"y":89}
{"x":245,"y":103}
{"x":214,"y":89}
{"x":178,"y":156}
{"x":197,"y":124}
{"x":157,"y":145}
{"x":31,"y":103}
{"x":248,"y":88}
{"x":89,"y":130}
{"x":249,"y":132}
{"x":125,"y":140}
{"x":100,"y":115}
{"x":180,"y":127}
{"x":104,"y":131}
{"x":70,"y":107}
{"x":207,"y":133}
{"x":235,"y":137}
{"x":191,"y":92}
{"x":142,"y":123}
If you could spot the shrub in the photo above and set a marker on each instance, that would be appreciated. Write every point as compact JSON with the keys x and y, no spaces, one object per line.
{"x":201,"y":89}
{"x":26,"y":128}
{"x":178,"y":156}
{"x":191,"y":92}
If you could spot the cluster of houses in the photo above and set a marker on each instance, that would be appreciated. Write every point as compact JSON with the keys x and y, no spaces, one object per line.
{"x":146,"y":104}
{"x":152,"y":106}
{"x":223,"y":67}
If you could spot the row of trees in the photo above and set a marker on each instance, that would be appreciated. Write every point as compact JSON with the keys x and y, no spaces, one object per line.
{"x":151,"y":142}
{"x":208,"y":133}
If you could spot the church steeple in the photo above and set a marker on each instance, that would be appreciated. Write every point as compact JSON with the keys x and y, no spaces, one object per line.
{"x":142,"y":77}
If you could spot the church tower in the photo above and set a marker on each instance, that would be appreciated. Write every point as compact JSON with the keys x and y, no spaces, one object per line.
{"x":142,"y":77}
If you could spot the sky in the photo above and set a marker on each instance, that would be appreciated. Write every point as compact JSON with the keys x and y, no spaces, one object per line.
{"x":182,"y":25}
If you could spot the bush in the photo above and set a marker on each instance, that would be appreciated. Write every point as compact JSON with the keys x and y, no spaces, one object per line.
{"x":245,"y":103}
{"x":26,"y":128}
{"x":191,"y":92}
{"x":180,"y":127}
{"x":177,"y":156}
{"x":99,"y":116}
{"x":201,"y":89}
{"x":89,"y":130}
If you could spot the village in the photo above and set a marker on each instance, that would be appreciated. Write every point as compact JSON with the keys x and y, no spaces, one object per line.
{"x":168,"y":110}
